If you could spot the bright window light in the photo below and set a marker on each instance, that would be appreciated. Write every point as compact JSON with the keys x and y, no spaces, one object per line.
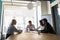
{"x":59,"y":11}
{"x":22,"y":15}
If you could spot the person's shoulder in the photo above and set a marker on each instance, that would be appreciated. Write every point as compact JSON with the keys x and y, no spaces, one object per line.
{"x":10,"y":26}
{"x":27,"y":25}
{"x":49,"y":24}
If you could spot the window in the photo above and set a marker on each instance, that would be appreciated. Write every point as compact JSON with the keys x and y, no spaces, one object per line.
{"x":22,"y":14}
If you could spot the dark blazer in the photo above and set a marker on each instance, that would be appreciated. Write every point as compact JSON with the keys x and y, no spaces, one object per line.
{"x":49,"y":28}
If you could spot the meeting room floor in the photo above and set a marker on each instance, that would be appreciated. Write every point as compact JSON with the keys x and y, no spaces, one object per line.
{"x":34,"y":36}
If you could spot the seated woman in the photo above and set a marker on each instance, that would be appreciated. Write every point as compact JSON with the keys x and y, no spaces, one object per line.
{"x":12,"y":29}
{"x":46,"y":27}
{"x":41,"y":28}
{"x":49,"y":28}
{"x":30,"y":27}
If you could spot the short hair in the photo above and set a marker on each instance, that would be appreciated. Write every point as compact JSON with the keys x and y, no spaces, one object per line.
{"x":45,"y":19}
{"x":13,"y":20}
{"x":29,"y":21}
{"x":41,"y":22}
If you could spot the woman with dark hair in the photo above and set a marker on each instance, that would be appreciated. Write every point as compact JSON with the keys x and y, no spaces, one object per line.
{"x":41,"y":28}
{"x":12,"y":29}
{"x":49,"y":28}
{"x":45,"y":27}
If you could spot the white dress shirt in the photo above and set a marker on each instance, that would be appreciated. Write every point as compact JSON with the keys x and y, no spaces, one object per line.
{"x":41,"y":28}
{"x":31,"y":27}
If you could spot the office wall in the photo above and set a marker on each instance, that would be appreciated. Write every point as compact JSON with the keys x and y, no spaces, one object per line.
{"x":46,"y":11}
{"x":44,"y":7}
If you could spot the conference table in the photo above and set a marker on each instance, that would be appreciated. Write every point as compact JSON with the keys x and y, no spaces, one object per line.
{"x":34,"y":36}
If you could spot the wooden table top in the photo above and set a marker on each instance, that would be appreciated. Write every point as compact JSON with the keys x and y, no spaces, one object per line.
{"x":34,"y":36}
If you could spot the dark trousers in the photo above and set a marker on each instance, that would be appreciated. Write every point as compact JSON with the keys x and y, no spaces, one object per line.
{"x":7,"y":35}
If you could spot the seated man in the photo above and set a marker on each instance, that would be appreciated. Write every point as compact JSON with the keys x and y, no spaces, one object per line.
{"x":30,"y":27}
{"x":12,"y":29}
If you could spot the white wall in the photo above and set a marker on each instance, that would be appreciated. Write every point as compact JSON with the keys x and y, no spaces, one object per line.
{"x":44,"y":7}
{"x":46,"y":11}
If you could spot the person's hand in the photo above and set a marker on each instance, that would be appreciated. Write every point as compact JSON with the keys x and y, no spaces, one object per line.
{"x":36,"y":29}
{"x":20,"y":31}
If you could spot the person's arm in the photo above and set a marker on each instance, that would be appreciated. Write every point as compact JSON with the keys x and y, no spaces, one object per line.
{"x":38,"y":27}
{"x":27,"y":28}
{"x":19,"y":31}
{"x":34,"y":27}
{"x":15,"y":29}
